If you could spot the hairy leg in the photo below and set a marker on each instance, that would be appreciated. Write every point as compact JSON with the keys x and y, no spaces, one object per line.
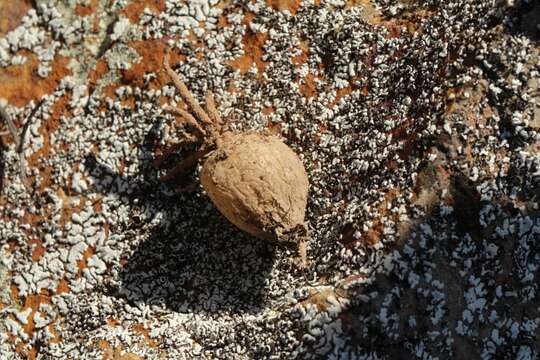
{"x":188,"y":162}
{"x":186,"y":94}
{"x":189,"y":119}
{"x":212,"y":110}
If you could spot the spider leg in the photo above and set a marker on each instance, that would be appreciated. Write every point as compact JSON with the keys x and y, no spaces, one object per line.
{"x":188,"y":162}
{"x":212,"y":110}
{"x":188,"y":118}
{"x":186,"y":94}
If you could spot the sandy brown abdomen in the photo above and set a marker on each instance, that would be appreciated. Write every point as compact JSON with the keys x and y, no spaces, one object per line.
{"x":258,"y":183}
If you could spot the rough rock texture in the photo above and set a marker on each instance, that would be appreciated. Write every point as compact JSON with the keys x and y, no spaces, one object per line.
{"x":258,"y":183}
{"x":417,"y":122}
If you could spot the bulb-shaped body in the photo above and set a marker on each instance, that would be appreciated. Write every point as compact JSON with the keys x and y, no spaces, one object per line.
{"x":259,"y":184}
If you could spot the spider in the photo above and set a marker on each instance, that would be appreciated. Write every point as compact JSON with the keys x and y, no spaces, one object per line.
{"x":255,"y":180}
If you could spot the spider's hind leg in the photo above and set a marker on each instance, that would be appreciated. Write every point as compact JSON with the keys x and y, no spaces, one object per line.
{"x":174,"y":176}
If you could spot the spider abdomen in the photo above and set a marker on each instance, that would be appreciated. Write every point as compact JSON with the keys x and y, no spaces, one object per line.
{"x":258,"y":183}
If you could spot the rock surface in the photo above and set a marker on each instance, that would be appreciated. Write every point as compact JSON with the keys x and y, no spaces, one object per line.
{"x":417,"y":123}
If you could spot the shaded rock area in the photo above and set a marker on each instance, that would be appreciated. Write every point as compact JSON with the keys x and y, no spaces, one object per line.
{"x":418,"y":125}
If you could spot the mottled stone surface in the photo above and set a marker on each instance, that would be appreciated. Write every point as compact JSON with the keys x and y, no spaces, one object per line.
{"x":417,"y":123}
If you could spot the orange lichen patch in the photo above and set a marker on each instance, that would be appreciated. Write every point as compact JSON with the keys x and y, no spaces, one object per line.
{"x":49,"y":126}
{"x":395,"y":26}
{"x":14,"y":291}
{"x":12,"y":12}
{"x":452,"y":94}
{"x":196,"y":40}
{"x":222,"y":22}
{"x":12,"y":245}
{"x":81,"y":264}
{"x":308,"y":88}
{"x":20,"y":83}
{"x":371,"y":14}
{"x":37,"y":249}
{"x":32,"y":353}
{"x":46,"y":176}
{"x":398,"y":26}
{"x":320,"y":131}
{"x":130,"y":102}
{"x":400,"y":132}
{"x":373,"y":235}
{"x":109,"y":91}
{"x":67,"y":208}
{"x":222,"y":19}
{"x":95,"y":24}
{"x":368,"y":239}
{"x":365,"y":90}
{"x":116,"y":353}
{"x":282,"y":5}
{"x":233,"y":88}
{"x":97,"y":205}
{"x":56,"y":337}
{"x":135,"y":9}
{"x":341,"y":93}
{"x":253,"y":49}
{"x":152,"y":53}
{"x":85,"y":10}
{"x":33,"y":302}
{"x":31,"y":219}
{"x":20,"y":349}
{"x":63,"y":287}
{"x":140,"y":329}
{"x":267,"y":110}
{"x":112,"y":321}
{"x":412,"y":19}
{"x":274,"y":128}
{"x":248,"y":18}
{"x":253,"y":53}
{"x":100,"y":69}
{"x":394,"y":30}
{"x":103,"y":345}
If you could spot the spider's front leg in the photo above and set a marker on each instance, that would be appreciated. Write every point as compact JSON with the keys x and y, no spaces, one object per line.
{"x":174,"y":173}
{"x":189,"y":162}
{"x":198,"y":136}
